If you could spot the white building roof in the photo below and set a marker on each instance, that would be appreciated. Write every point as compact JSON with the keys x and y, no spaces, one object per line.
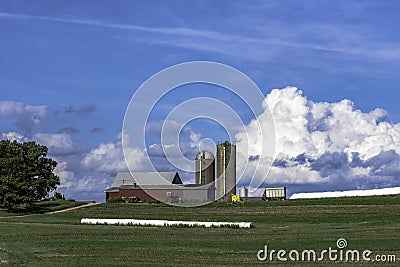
{"x":351,"y":193}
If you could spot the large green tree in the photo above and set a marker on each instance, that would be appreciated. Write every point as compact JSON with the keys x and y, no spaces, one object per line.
{"x":26,"y":173}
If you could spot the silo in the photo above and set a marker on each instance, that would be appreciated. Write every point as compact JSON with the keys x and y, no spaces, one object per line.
{"x":205,"y":170}
{"x":244,"y":192}
{"x":226,"y":171}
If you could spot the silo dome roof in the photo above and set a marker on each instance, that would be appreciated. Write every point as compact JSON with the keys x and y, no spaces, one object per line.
{"x":205,"y":155}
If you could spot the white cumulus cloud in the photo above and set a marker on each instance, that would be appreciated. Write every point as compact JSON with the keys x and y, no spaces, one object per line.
{"x":62,"y":140}
{"x":109,"y":158}
{"x":27,"y":116}
{"x":329,"y":143}
{"x":14,"y":136}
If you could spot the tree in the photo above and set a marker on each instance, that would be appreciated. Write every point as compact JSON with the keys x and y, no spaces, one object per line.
{"x":26,"y":174}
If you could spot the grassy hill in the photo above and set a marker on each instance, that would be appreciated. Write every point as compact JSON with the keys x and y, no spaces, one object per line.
{"x":371,"y":223}
{"x":42,"y":207}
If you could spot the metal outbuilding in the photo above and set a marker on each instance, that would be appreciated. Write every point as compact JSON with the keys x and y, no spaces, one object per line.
{"x":274,"y":193}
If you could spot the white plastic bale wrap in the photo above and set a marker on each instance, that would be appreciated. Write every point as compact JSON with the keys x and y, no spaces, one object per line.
{"x":135,"y":222}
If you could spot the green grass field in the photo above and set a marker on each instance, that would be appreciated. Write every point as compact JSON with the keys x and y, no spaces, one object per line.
{"x":58,"y":239}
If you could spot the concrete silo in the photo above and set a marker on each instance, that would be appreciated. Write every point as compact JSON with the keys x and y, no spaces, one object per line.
{"x":226,"y":171}
{"x":205,"y":168}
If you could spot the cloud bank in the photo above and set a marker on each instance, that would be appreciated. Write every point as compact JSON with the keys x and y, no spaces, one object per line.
{"x":26,"y":116}
{"x":331,"y":144}
{"x":319,"y":146}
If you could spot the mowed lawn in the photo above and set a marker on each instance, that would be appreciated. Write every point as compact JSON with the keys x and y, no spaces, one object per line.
{"x":371,"y":223}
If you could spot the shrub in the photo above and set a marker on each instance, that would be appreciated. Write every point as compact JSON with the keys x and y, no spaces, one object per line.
{"x":114,"y":200}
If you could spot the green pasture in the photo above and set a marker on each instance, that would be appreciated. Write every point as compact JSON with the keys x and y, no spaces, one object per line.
{"x":371,"y":223}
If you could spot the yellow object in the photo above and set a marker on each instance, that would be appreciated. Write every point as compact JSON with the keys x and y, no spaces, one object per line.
{"x":235,"y":198}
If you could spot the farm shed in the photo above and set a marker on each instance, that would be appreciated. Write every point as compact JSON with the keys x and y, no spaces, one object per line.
{"x":274,"y":193}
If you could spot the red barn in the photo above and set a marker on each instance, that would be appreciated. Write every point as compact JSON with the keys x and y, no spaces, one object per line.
{"x":157,"y":186}
{"x":137,"y":184}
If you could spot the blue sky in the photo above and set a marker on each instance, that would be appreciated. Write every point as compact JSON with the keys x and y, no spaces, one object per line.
{"x":83,"y":60}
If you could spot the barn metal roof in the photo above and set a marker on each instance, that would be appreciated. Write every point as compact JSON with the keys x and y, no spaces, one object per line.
{"x":145,"y":179}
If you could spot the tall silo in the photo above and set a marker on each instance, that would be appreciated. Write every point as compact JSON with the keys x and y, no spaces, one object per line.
{"x":205,"y":168}
{"x":226,"y":171}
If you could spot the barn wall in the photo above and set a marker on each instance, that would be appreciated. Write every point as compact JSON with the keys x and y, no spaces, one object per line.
{"x":161,"y":194}
{"x":198,"y":195}
{"x":156,"y":195}
{"x":139,"y":193}
{"x":150,"y":195}
{"x":111,"y":195}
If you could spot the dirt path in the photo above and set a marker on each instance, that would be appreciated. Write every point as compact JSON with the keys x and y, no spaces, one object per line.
{"x":74,"y":208}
